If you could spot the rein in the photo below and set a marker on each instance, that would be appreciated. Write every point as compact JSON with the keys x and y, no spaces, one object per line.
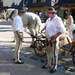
{"x":10,"y":16}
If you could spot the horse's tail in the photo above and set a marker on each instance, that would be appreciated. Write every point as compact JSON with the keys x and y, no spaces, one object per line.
{"x":38,"y":26}
{"x":38,"y":22}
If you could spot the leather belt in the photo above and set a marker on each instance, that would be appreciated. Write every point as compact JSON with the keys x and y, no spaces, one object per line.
{"x":20,"y":32}
{"x":50,"y":42}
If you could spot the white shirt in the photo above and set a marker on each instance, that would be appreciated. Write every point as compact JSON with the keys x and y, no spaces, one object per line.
{"x":17,"y":24}
{"x":54,"y":26}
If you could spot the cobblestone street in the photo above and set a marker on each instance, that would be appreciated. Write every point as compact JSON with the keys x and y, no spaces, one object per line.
{"x":33,"y":63}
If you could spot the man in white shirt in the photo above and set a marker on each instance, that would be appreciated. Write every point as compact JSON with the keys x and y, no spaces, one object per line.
{"x":18,"y":33}
{"x":53,"y":28}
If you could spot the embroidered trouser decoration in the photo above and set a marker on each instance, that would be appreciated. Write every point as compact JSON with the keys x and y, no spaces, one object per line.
{"x":47,"y":42}
{"x":50,"y":42}
{"x":54,"y":53}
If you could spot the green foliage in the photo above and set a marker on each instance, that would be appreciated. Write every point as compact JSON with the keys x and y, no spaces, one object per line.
{"x":66,"y":21}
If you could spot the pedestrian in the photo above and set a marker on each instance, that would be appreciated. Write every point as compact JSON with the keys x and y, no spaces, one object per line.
{"x":53,"y":28}
{"x":70,"y":26}
{"x":4,"y":15}
{"x":70,"y":20}
{"x":66,"y":14}
{"x":18,"y":33}
{"x":40,"y":14}
{"x":64,"y":22}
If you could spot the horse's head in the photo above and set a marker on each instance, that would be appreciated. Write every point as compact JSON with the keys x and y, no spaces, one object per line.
{"x":11,"y":13}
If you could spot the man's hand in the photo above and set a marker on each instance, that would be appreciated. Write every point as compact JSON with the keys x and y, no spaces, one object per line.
{"x":21,"y":39}
{"x":43,"y":29}
{"x":54,"y":36}
{"x":19,"y":36}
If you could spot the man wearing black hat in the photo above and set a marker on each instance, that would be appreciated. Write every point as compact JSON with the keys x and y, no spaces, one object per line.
{"x":53,"y":28}
{"x":18,"y":33}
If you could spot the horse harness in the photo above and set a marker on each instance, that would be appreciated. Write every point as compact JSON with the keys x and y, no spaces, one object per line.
{"x":10,"y":16}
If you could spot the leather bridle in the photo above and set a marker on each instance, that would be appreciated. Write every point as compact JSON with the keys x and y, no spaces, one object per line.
{"x":10,"y":16}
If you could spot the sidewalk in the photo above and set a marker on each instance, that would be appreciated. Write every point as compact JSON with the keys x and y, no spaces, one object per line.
{"x":32,"y":64}
{"x":7,"y":66}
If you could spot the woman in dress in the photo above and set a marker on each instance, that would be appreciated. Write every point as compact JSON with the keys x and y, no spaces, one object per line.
{"x":70,"y":25}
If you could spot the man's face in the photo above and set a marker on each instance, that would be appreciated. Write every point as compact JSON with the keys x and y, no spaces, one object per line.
{"x":50,"y":14}
{"x":22,"y":13}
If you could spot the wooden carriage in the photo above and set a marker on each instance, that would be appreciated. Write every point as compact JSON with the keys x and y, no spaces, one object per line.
{"x":65,"y":44}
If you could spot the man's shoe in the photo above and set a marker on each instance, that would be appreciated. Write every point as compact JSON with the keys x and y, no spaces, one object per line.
{"x":53,"y":70}
{"x":44,"y":67}
{"x":19,"y":62}
{"x":13,"y":41}
{"x":19,"y":58}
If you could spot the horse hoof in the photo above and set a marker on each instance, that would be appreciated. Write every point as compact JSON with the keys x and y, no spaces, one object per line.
{"x":13,"y":41}
{"x":31,"y":46}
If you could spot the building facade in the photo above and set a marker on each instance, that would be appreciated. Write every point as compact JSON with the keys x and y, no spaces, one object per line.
{"x":66,"y":7}
{"x":39,"y":7}
{"x":11,"y":3}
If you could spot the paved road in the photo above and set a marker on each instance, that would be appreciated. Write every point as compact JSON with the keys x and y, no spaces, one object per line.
{"x":33,"y":63}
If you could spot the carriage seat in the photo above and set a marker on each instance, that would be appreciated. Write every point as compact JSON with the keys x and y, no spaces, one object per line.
{"x":67,"y":46}
{"x":63,"y":36}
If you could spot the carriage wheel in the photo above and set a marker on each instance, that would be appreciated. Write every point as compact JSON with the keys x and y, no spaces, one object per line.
{"x":73,"y":56}
{"x":39,"y":48}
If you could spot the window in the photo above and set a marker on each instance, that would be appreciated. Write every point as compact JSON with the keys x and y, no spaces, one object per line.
{"x":34,"y":1}
{"x":42,"y":1}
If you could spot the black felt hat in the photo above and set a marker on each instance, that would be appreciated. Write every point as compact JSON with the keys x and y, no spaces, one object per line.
{"x":22,"y":10}
{"x":51,"y":9}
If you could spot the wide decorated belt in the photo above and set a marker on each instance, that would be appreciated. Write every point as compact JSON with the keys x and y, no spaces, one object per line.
{"x":50,"y":42}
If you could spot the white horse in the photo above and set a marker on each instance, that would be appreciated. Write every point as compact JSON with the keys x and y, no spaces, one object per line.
{"x":30,"y":20}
